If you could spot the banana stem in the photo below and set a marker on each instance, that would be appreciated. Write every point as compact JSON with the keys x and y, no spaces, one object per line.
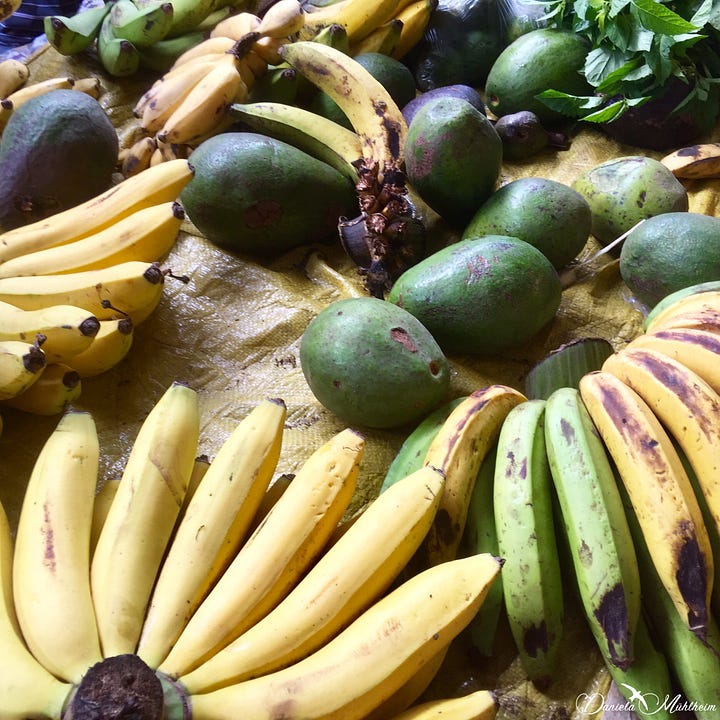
{"x":118,"y":687}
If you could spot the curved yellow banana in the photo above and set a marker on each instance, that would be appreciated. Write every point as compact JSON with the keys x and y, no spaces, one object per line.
{"x":101,"y":505}
{"x":345,"y":581}
{"x":54,"y":391}
{"x":27,"y":689}
{"x":213,"y":526}
{"x":691,"y":308}
{"x":659,"y":490}
{"x":414,"y":17}
{"x":698,"y":350}
{"x":31,"y":90}
{"x":150,"y":187}
{"x":13,"y":75}
{"x":111,"y":345}
{"x":458,"y":449}
{"x":685,"y":404}
{"x":141,"y":518}
{"x":374,"y":656}
{"x":276,"y":555}
{"x":51,"y":570}
{"x":477,"y":705}
{"x":131,"y":288}
{"x":144,"y":236}
{"x":282,"y":19}
{"x":358,"y":17}
{"x":66,"y":330}
{"x":21,"y":364}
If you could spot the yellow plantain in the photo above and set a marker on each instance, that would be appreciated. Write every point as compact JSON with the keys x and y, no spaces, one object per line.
{"x":694,"y":162}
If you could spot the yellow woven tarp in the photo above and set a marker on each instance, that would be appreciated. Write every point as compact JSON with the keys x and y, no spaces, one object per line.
{"x":233,"y":334}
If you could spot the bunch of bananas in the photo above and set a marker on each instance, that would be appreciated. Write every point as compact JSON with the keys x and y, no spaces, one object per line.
{"x":392,"y":28}
{"x":190,"y":101}
{"x":229,"y":595}
{"x":629,"y":461}
{"x":125,"y":33}
{"x":75,"y":285}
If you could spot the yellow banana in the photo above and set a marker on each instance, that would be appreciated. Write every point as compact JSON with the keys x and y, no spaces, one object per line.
{"x":358,"y":17}
{"x":267,"y":49}
{"x":13,"y":75}
{"x":88,"y":85}
{"x":150,"y":187}
{"x":141,"y":518}
{"x":54,"y":391}
{"x":374,"y":656}
{"x":345,"y":581}
{"x":131,"y":288}
{"x":282,"y":19}
{"x":21,"y":364}
{"x":659,"y":490}
{"x":236,"y":26}
{"x":213,"y":526}
{"x":64,"y":330}
{"x":27,"y":689}
{"x":18,"y":98}
{"x":165,"y":96}
{"x":690,"y":310}
{"x":477,"y":705}
{"x":51,"y":570}
{"x":207,"y":49}
{"x":414,"y":18}
{"x":101,"y":505}
{"x":697,"y":349}
{"x":275,"y":556}
{"x":111,"y":345}
{"x":144,"y":236}
{"x":383,"y":39}
{"x":200,"y":467}
{"x":274,"y":492}
{"x":136,"y":158}
{"x":685,"y":404}
{"x":696,"y":161}
{"x":314,"y":134}
{"x":373,"y":114}
{"x":458,"y":449}
{"x":205,"y":107}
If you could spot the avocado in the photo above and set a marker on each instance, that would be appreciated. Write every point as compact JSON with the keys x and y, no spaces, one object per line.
{"x":254,"y":194}
{"x":452,"y":157}
{"x":481,"y":295}
{"x":373,"y":364}
{"x":542,"y":59}
{"x":670,"y":252}
{"x":58,"y":150}
{"x":623,"y":191}
{"x":545,"y":213}
{"x":464,"y":92}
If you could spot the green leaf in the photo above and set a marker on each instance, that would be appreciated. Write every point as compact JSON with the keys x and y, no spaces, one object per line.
{"x":660,"y":19}
{"x":614,"y":110}
{"x":569,"y":105}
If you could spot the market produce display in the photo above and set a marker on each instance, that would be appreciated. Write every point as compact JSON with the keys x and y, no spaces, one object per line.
{"x":349,"y":398}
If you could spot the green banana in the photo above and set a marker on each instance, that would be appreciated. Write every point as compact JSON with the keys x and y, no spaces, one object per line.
{"x":161,"y":56}
{"x":213,"y":18}
{"x":646,"y":684}
{"x":695,"y":664}
{"x":480,"y":536}
{"x":597,"y":530}
{"x":71,"y":35}
{"x":412,"y":452}
{"x":118,"y":56}
{"x":278,"y":84}
{"x":188,"y":14}
{"x":143,"y":27}
{"x":525,"y":529}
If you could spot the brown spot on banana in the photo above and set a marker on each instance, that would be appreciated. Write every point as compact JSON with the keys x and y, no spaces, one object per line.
{"x":692,"y":580}
{"x":612,"y":615}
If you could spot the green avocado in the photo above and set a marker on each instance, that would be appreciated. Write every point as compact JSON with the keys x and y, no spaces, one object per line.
{"x":453,"y":157}
{"x":623,"y":191}
{"x":670,"y":252}
{"x":58,"y":150}
{"x":257,"y":195}
{"x":542,"y":59}
{"x":373,"y":364}
{"x":545,"y":213}
{"x":481,"y":296}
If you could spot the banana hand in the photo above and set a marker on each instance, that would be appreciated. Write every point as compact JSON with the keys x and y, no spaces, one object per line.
{"x":274,"y":558}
